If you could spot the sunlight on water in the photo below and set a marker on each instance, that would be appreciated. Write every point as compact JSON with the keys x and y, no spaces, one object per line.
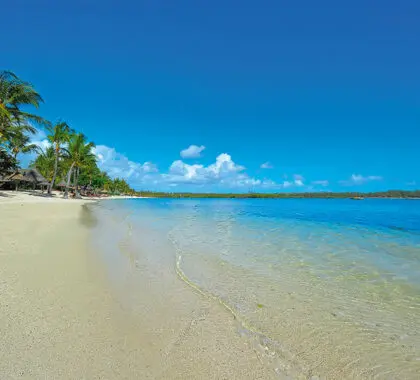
{"x":324,"y":287}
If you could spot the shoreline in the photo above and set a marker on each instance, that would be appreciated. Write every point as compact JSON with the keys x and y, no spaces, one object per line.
{"x":62,"y":316}
{"x":31,"y":196}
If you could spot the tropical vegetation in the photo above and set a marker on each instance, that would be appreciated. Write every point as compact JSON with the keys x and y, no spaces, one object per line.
{"x":15,"y":123}
{"x":69,"y":159}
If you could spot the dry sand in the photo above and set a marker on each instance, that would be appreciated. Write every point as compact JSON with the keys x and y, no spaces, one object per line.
{"x":60,"y":318}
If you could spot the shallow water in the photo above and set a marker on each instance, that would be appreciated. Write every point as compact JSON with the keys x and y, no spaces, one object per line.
{"x":327,"y":288}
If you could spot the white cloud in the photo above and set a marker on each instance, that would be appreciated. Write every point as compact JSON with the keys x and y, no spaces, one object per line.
{"x":224,"y":171}
{"x":185,"y":171}
{"x":39,"y":135}
{"x":358,"y":179}
{"x":298,"y":180}
{"x":193,"y":151}
{"x":266,"y":165}
{"x":118,"y":165}
{"x":39,"y":139}
{"x":321,"y":183}
{"x":287,"y":184}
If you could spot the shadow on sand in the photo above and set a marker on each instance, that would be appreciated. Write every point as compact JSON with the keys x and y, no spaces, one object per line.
{"x":6,"y":195}
{"x":33,"y":193}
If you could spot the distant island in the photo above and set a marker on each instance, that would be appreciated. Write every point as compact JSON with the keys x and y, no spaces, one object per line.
{"x":399,"y":194}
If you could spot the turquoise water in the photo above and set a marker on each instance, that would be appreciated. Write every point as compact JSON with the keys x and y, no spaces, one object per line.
{"x":327,"y":288}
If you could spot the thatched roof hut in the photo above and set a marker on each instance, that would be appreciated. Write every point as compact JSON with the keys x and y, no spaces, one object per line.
{"x":27,"y":175}
{"x":34,"y":175}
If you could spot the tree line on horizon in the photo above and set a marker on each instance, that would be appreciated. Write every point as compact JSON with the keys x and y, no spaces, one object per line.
{"x":68,"y":159}
{"x":401,"y":194}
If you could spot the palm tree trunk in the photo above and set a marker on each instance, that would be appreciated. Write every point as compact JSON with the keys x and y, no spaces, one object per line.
{"x":66,"y":193}
{"x":74,"y":177}
{"x":50,"y":186}
{"x":77,"y":183}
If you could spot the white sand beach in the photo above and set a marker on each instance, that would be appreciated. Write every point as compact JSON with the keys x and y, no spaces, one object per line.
{"x":61,"y":319}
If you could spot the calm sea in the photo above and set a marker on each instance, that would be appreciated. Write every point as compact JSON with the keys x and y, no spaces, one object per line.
{"x":323,"y":288}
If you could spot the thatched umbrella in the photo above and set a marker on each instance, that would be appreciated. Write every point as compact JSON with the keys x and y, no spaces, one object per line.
{"x":104,"y":192}
{"x":16,"y":176}
{"x":61,"y":185}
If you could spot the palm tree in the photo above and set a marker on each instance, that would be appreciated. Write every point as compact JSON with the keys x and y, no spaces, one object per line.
{"x":59,"y":134}
{"x":7,"y":163}
{"x":19,"y":142}
{"x":44,"y":162}
{"x":15,"y":93}
{"x":79,"y":155}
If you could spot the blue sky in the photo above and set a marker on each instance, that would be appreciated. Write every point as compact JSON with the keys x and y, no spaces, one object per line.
{"x":326,"y":94}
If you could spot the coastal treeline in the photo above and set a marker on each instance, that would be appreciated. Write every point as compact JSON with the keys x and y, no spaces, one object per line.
{"x":67,"y":163}
{"x":324,"y":195}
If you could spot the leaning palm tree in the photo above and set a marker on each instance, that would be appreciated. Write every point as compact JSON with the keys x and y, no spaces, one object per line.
{"x":15,"y":94}
{"x":59,"y":135}
{"x":19,"y":142}
{"x":79,"y":156}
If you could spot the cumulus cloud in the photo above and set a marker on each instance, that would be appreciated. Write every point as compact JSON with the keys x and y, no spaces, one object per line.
{"x":118,"y":165}
{"x":266,"y":165}
{"x":298,"y":180}
{"x":186,"y":172}
{"x":224,"y":171}
{"x":193,"y":151}
{"x":40,"y":139}
{"x":358,"y":179}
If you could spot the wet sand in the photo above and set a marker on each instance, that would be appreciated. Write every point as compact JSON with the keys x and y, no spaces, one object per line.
{"x":63,"y":316}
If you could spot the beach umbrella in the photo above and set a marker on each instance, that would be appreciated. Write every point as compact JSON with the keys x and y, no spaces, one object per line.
{"x":61,"y":184}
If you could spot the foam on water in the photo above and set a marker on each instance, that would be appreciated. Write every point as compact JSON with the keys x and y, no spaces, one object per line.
{"x":323,"y":287}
